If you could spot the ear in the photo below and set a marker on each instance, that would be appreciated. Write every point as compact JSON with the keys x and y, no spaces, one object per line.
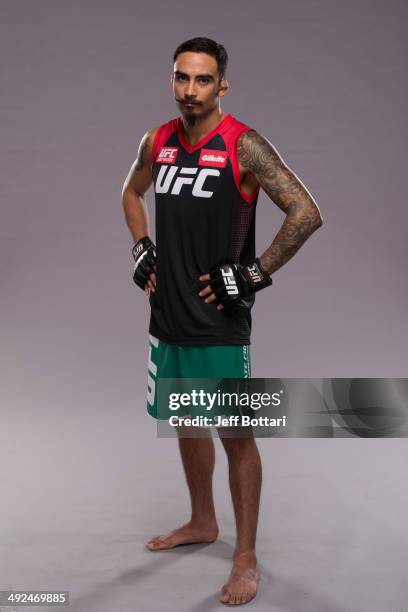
{"x":223,"y":87}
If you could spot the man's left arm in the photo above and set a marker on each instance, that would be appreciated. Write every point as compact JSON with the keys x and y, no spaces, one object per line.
{"x":258,"y":157}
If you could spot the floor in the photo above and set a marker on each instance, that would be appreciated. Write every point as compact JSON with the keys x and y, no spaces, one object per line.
{"x":83,"y":491}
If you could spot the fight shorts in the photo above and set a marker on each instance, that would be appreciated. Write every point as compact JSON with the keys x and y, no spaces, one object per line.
{"x":170,"y":361}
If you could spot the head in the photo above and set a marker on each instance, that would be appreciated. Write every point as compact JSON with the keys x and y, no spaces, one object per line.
{"x":199,"y":77}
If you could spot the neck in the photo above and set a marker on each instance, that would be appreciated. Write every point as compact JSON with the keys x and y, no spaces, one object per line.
{"x":202,"y":126}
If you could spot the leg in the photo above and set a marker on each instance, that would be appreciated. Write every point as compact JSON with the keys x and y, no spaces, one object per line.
{"x":245,"y":477}
{"x":198,"y":458}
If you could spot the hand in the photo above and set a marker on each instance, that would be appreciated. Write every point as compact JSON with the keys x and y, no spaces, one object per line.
{"x":207,"y":291}
{"x":144,"y":273}
{"x":150,"y":286}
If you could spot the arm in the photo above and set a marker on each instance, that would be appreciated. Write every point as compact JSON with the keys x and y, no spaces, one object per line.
{"x":259,"y":158}
{"x":135,"y":186}
{"x":134,"y":189}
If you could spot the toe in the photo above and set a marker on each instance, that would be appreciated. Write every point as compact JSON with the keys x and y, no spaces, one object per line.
{"x":251,"y":595}
{"x":164,"y":543}
{"x":156,"y":543}
{"x":154,"y":540}
{"x":225,"y":596}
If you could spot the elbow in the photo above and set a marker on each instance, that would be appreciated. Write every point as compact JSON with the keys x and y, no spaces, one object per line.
{"x":317,"y":219}
{"x":319,"y":222}
{"x":129,"y":192}
{"x":309,"y":214}
{"x":125,"y":191}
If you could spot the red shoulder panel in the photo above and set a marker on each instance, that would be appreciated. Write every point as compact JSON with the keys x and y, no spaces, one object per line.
{"x":162,"y":135}
{"x":230,"y":132}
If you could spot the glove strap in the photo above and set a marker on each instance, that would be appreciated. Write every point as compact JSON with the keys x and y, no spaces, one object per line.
{"x":140,"y":246}
{"x":255,"y":276}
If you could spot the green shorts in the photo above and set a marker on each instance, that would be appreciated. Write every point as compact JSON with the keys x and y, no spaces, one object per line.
{"x":174,"y":362}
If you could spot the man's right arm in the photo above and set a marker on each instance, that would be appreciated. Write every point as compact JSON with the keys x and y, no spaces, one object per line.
{"x":134,"y":189}
{"x":135,"y":186}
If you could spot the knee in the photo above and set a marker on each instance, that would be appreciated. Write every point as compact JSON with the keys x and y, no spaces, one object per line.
{"x":238,"y":447}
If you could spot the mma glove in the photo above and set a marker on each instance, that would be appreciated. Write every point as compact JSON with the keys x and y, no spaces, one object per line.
{"x":232,"y":282}
{"x":144,"y":254}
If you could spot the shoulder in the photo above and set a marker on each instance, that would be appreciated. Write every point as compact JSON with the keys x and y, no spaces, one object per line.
{"x":242,"y":136}
{"x":254,"y":150}
{"x":252,"y":140}
{"x":231,"y":128}
{"x":165,"y":128}
{"x":153,"y":137}
{"x":158,"y":136}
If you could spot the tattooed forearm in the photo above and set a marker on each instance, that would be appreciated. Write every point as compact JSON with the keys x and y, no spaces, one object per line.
{"x":259,"y":157}
{"x":299,"y":224}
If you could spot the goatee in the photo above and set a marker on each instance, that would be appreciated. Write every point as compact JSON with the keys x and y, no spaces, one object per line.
{"x":190,"y":120}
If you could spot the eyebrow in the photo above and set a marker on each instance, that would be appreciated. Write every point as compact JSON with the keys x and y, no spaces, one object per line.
{"x":199,"y":76}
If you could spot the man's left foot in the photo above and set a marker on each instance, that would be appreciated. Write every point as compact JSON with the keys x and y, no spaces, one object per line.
{"x":243,"y":581}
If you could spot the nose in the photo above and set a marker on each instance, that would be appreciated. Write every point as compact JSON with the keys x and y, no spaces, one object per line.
{"x":190,"y":91}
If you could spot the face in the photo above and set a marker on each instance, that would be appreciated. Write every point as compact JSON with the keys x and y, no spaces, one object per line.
{"x":196,"y":84}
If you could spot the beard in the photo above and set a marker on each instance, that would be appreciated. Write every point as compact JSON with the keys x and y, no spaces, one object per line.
{"x":191,"y":119}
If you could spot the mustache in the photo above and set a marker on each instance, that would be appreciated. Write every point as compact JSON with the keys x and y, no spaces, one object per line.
{"x":184,"y":101}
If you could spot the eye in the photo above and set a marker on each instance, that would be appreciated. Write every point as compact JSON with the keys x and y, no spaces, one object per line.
{"x":204,"y":80}
{"x":180,"y":77}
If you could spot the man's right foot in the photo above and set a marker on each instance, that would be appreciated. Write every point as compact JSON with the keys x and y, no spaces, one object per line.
{"x":190,"y":533}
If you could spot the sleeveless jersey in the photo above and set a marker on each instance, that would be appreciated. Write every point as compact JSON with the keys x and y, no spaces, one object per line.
{"x":203,"y":220}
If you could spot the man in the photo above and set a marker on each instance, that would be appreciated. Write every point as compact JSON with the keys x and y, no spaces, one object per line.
{"x":202,"y":275}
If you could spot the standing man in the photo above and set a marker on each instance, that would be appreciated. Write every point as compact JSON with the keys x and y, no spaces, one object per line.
{"x":202,"y":275}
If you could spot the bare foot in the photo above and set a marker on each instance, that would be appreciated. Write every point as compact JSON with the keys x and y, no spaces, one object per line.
{"x":242,"y":584}
{"x":190,"y":533}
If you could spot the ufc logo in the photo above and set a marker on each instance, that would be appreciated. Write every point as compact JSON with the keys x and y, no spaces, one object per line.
{"x":229,"y":281}
{"x":253,"y":272}
{"x":184,"y":176}
{"x":167,"y":155}
{"x":137,"y":250}
{"x":152,"y":371}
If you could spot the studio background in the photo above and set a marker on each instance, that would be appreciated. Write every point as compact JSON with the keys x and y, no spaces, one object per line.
{"x":87,"y":481}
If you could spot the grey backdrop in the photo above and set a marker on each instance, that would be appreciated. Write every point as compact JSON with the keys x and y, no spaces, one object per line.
{"x":85,"y":481}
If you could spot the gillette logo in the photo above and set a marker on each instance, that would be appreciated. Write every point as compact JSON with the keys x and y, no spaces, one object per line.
{"x":214,"y":158}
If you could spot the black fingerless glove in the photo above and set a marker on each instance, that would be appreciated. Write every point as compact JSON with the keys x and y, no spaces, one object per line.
{"x":144,"y":254}
{"x":233,"y":282}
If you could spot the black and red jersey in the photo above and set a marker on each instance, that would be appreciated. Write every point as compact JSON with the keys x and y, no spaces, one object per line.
{"x":203,"y":219}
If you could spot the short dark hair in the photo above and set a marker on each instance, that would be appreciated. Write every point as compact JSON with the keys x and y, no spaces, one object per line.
{"x":200,"y":44}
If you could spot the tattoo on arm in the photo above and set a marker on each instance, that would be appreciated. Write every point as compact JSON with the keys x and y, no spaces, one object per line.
{"x":141,"y":154}
{"x":259,"y":157}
